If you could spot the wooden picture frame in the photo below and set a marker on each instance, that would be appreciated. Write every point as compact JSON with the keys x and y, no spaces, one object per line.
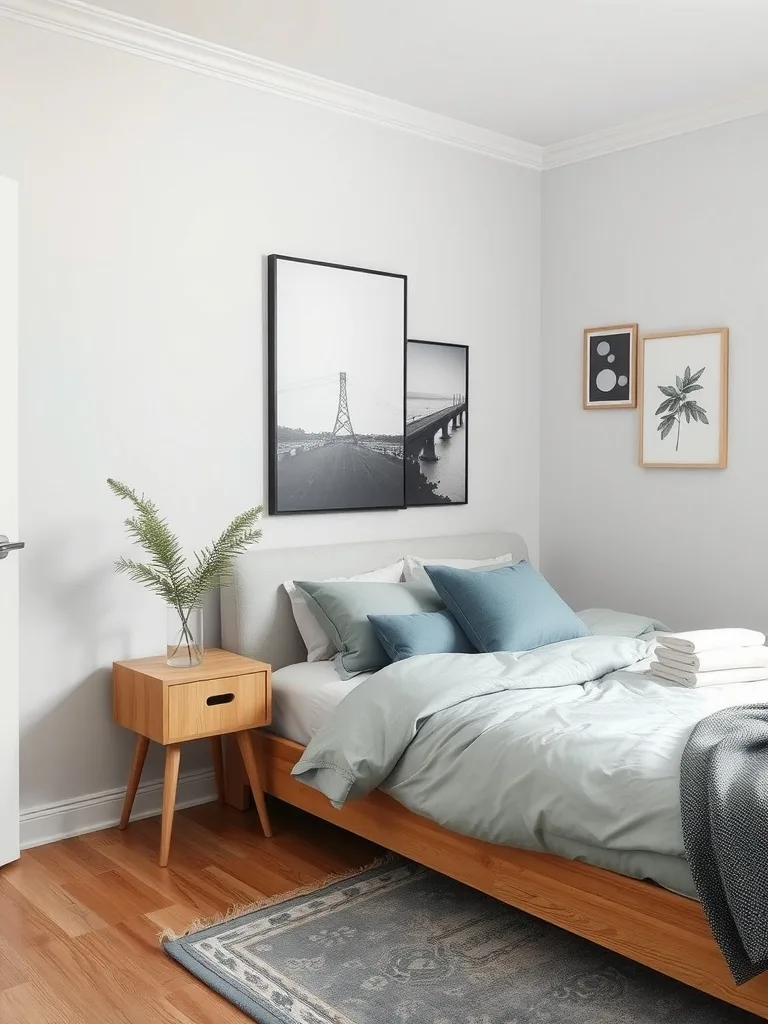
{"x":673,"y":380}
{"x":609,"y":367}
{"x":336,"y":342}
{"x":437,"y":423}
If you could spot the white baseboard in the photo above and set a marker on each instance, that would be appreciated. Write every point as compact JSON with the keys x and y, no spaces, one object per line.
{"x":66,"y":818}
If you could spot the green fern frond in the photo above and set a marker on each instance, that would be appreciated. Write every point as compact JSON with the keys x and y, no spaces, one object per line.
{"x":152,"y":532}
{"x":149,"y":577}
{"x":168,"y":574}
{"x":214,"y":564}
{"x":143,"y":505}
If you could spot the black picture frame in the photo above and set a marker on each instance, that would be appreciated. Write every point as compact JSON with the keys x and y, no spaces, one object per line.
{"x":427,"y":483}
{"x":364,"y":468}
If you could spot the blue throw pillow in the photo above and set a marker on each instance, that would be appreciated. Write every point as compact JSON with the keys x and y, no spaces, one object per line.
{"x":402,"y":636}
{"x":342,"y":608}
{"x":508,"y":609}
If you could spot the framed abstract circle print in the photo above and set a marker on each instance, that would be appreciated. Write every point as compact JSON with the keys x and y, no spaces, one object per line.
{"x":609,"y":367}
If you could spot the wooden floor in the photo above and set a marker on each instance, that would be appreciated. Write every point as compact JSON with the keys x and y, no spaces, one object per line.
{"x":79,"y":919}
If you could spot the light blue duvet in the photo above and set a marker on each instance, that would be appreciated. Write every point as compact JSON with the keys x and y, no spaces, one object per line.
{"x":570,"y":749}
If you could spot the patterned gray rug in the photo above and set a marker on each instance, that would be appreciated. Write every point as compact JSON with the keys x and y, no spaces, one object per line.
{"x":399,"y":944}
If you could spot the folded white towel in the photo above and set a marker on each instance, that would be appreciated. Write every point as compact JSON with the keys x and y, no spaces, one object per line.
{"x":709,"y":639}
{"x":721,"y":677}
{"x":709,"y":661}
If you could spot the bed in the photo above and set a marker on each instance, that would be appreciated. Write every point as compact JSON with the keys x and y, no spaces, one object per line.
{"x":638,"y":919}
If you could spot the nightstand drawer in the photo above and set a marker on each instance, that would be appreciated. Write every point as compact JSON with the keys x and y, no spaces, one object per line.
{"x":215,"y":706}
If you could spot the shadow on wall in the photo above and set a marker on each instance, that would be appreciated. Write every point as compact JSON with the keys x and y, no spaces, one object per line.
{"x":70,"y":749}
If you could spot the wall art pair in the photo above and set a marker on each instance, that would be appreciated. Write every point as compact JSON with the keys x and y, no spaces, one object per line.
{"x":678,"y":379}
{"x":360,"y":417}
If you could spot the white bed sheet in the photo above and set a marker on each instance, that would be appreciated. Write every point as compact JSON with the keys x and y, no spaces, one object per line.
{"x":304,"y":695}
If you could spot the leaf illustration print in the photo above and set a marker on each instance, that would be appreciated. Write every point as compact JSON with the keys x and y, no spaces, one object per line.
{"x":678,"y":403}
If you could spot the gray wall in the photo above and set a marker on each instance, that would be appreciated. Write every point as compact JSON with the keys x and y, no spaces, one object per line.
{"x":149,"y":196}
{"x":673,"y":236}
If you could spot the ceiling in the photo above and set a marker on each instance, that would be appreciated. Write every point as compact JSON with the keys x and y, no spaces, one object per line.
{"x":542,"y":71}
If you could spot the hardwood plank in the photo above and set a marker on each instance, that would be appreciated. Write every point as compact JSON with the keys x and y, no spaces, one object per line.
{"x":80,"y":919}
{"x":35,"y":1003}
{"x":177,"y":917}
{"x":207,"y":843}
{"x":21,"y":923}
{"x":139,"y":938}
{"x":14,"y":969}
{"x":183,"y":882}
{"x":71,"y":859}
{"x":140,"y":862}
{"x":304,"y":862}
{"x":234,"y":885}
{"x":258,"y":876}
{"x":40,"y":887}
{"x":114,"y":896}
{"x":80,"y":982}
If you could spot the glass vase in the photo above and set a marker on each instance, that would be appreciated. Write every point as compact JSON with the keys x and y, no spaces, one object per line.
{"x":184,"y":636}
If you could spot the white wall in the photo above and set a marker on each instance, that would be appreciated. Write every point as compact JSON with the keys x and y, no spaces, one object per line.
{"x":149,"y":197}
{"x":670,"y":235}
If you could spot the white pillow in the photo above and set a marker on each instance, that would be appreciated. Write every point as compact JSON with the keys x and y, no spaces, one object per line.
{"x":414,"y":572}
{"x":319,"y":647}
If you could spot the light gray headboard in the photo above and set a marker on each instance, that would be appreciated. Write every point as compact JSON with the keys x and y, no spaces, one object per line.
{"x":256,"y":618}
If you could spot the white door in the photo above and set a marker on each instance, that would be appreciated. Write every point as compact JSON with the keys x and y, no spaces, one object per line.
{"x":9,"y":524}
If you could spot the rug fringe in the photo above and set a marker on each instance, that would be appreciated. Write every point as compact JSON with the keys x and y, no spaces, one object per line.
{"x":239,"y":909}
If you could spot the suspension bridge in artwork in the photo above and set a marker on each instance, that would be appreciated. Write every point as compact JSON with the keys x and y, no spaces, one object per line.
{"x":338,"y":468}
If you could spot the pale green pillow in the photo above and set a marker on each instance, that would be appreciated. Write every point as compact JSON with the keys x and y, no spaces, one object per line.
{"x":342,"y":610}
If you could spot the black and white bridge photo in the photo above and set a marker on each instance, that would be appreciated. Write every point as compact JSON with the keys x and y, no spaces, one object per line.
{"x":340,"y":467}
{"x":337,"y":353}
{"x":436,"y":423}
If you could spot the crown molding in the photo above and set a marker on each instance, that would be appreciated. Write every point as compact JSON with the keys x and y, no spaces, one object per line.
{"x":141,"y":39}
{"x":130,"y":35}
{"x":652,"y":129}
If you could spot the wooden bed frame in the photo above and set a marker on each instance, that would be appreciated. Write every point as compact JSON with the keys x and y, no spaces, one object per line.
{"x":638,"y":919}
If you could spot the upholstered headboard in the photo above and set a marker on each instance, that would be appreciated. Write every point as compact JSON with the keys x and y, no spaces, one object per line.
{"x":256,"y":618}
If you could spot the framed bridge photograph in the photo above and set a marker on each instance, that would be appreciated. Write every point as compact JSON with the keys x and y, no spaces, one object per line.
{"x":436,"y":411}
{"x":336,"y":353}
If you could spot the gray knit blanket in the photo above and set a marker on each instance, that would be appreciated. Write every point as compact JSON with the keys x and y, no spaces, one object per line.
{"x":724,"y":804}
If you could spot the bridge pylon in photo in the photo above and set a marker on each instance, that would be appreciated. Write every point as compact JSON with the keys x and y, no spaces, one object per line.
{"x":343,"y":424}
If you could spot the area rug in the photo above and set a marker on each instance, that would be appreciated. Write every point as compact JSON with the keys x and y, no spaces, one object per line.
{"x":398,"y":944}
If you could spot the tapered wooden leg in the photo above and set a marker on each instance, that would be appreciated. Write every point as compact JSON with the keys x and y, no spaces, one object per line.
{"x":252,"y":770}
{"x":236,"y":788}
{"x":218,"y":767}
{"x":139,"y":757}
{"x":170,"y":782}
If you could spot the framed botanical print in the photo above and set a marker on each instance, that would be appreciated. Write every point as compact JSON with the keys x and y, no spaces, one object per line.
{"x":610,"y":355}
{"x":684,"y":399}
{"x":336,"y":350}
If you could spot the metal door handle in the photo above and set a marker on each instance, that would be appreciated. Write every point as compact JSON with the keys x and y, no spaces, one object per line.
{"x":7,"y":545}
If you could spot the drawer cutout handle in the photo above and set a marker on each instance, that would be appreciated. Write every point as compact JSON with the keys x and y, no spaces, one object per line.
{"x":220,"y":698}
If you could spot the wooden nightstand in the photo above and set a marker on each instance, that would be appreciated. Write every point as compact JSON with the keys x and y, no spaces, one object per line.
{"x":225,"y":694}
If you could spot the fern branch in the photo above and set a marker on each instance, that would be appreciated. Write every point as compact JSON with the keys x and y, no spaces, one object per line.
{"x":167,"y":574}
{"x":214,"y":564}
{"x":148,"y":577}
{"x":152,"y":532}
